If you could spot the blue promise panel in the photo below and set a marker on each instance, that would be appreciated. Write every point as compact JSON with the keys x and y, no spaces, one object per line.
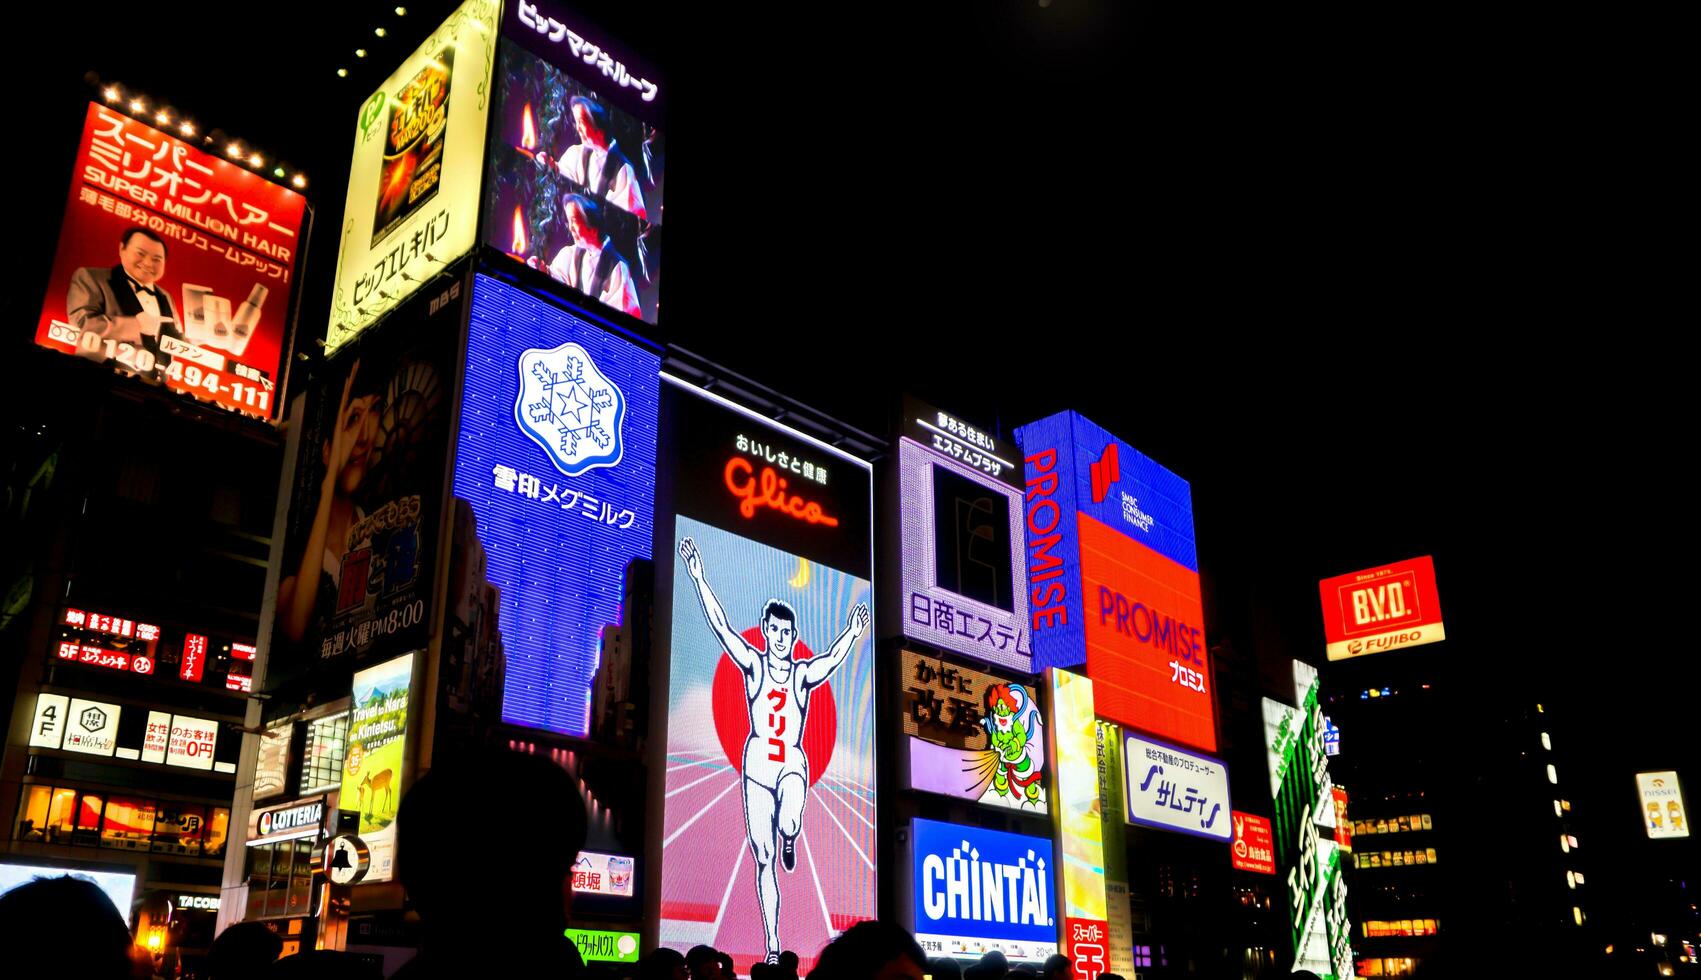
{"x":557,"y":456}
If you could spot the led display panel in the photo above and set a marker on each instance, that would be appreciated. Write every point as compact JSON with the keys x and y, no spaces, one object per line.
{"x":973,"y":735}
{"x":577,"y":159}
{"x":960,"y":527}
{"x":1306,"y":851}
{"x":557,"y":456}
{"x":977,"y":891}
{"x":374,"y":774}
{"x":413,"y":187}
{"x":1389,"y":607}
{"x":364,"y":521}
{"x":1113,"y":580}
{"x":1077,"y":824}
{"x":118,"y":886}
{"x":174,"y":265}
{"x":768,"y":838}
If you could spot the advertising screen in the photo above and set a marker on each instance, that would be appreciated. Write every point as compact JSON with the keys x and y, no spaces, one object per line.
{"x":768,"y":829}
{"x":361,"y":540}
{"x":373,"y":766}
{"x":1304,"y":824}
{"x":1253,"y":848}
{"x":577,"y":159}
{"x":979,"y":890}
{"x":1389,"y":607}
{"x":973,"y":735}
{"x":1174,"y":789}
{"x":120,"y":887}
{"x":1662,"y":805}
{"x":413,"y":187}
{"x":557,"y":456}
{"x":602,"y":946}
{"x":174,"y":265}
{"x":603,"y":874}
{"x":1113,"y":580}
{"x":1112,"y":818}
{"x":960,"y":517}
{"x":1076,"y":822}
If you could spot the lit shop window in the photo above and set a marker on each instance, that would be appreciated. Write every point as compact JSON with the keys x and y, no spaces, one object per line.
{"x":1558,"y":811}
{"x":1394,"y":859}
{"x":1378,"y":928}
{"x":66,"y":816}
{"x":1577,"y":913}
{"x":1572,"y":840}
{"x":1387,"y":966}
{"x":1546,"y":742}
{"x":1571,"y":879}
{"x":1565,"y":843}
{"x":1552,"y":774}
{"x":322,"y":762}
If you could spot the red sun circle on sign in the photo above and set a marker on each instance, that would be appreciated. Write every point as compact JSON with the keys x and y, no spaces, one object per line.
{"x":732,"y":710}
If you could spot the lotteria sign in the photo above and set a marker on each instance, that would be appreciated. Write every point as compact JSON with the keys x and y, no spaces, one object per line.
{"x":1113,"y":577}
{"x":1380,"y":609}
{"x":287,"y":822}
{"x":979,"y":890}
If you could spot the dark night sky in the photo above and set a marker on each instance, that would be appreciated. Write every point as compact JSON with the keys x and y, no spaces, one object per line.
{"x":1378,"y":282}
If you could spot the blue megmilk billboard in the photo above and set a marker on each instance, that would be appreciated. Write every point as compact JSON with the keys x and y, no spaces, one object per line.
{"x":557,"y":456}
{"x":979,"y":890}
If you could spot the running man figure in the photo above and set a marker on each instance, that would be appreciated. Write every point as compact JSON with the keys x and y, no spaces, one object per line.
{"x":776,"y":772}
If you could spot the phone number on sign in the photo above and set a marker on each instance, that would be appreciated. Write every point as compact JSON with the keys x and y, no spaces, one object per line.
{"x":246,"y":396}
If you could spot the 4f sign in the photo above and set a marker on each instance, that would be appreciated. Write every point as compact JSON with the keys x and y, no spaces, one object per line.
{"x":1381,"y":609}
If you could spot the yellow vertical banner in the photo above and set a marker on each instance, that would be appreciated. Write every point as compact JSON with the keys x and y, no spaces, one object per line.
{"x":1076,"y":820}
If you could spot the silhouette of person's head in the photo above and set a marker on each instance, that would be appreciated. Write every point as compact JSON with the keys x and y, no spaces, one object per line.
{"x":1022,"y":973}
{"x":992,"y":966}
{"x":466,"y":893}
{"x":324,"y":964}
{"x":704,"y":962}
{"x":663,"y":964}
{"x":945,"y":968}
{"x":1057,"y":968}
{"x":243,"y":951}
{"x":788,"y":962}
{"x":728,"y":971}
{"x":871,"y":951}
{"x":65,"y":927}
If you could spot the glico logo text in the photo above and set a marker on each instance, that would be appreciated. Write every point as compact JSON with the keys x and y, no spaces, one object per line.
{"x":769,"y":490}
{"x":1045,"y":567}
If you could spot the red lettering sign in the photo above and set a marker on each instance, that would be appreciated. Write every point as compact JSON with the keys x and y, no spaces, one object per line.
{"x":194,"y":657}
{"x":769,"y":490}
{"x":1381,"y":609}
{"x":1254,"y":846}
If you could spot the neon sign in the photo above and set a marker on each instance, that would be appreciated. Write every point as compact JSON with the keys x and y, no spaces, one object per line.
{"x":768,"y":490}
{"x":194,"y":657}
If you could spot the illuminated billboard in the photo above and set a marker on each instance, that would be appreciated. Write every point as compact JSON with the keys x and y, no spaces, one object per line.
{"x":601,"y":946}
{"x":1254,"y":847}
{"x":1174,"y":789}
{"x":1074,"y":735}
{"x":610,"y":875}
{"x":174,"y":265}
{"x":768,"y":838}
{"x":960,"y":527}
{"x":976,"y":891}
{"x":1306,"y":850}
{"x":1390,"y":607}
{"x":577,"y":159}
{"x":972,"y":735}
{"x":413,"y":188}
{"x":557,"y":456}
{"x":1662,"y":805}
{"x":1113,"y":580}
{"x":93,"y":728}
{"x":118,"y":886}
{"x":374,"y":766}
{"x":1119,"y":908}
{"x":362,"y":533}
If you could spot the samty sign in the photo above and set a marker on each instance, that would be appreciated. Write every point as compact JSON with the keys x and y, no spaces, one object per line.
{"x":1380,"y":609}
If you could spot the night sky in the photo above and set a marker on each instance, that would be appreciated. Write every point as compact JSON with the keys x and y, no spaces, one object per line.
{"x":1378,"y":283}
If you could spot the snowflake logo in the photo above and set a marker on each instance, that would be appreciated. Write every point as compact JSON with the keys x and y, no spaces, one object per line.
{"x":570,"y":408}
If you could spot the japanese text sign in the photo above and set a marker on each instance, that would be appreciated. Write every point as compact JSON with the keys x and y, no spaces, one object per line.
{"x":174,"y":265}
{"x":1175,"y":789}
{"x":1113,"y":577}
{"x":1390,"y":607}
{"x":413,"y":189}
{"x":1253,"y":848}
{"x":973,"y":735}
{"x":603,"y":874}
{"x":1662,"y":805}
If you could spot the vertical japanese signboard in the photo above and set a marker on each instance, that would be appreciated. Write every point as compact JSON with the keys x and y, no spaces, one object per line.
{"x":363,"y":528}
{"x":973,"y":735}
{"x":1389,"y":607}
{"x":1113,"y":577}
{"x":418,"y":155}
{"x":1117,"y":895}
{"x":768,"y":829}
{"x":577,"y":159}
{"x":1306,"y":850}
{"x":960,"y":527}
{"x":174,"y":265}
{"x":1077,"y":825}
{"x":373,"y":766}
{"x":557,"y":456}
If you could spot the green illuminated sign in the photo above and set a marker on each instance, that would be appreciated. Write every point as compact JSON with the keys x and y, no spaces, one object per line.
{"x":609,"y":947}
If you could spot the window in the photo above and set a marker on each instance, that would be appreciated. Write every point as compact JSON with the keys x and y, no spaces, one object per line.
{"x":1552,"y":774}
{"x":63,"y":815}
{"x":280,"y":879}
{"x":179,"y":827}
{"x":322,"y":762}
{"x":129,"y":824}
{"x":218,"y":831}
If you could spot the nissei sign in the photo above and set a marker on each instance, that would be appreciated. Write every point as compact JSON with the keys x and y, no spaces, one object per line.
{"x":979,"y":890}
{"x":1380,"y":609}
